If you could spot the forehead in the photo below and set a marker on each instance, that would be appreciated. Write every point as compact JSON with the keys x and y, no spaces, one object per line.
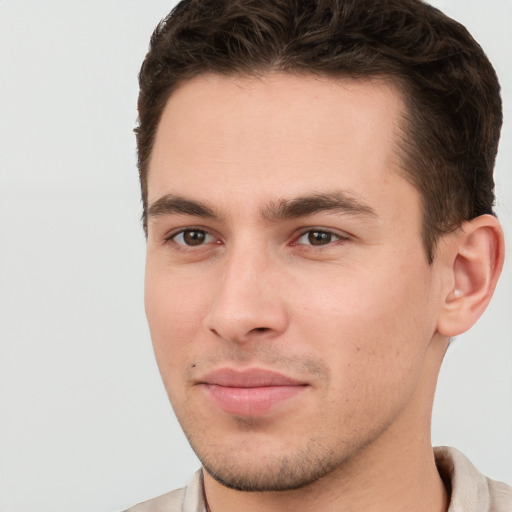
{"x":276,"y":135}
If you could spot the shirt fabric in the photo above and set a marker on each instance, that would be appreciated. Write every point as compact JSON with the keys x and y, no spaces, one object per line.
{"x":470,"y":490}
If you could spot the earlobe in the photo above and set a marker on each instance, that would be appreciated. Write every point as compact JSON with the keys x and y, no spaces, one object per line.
{"x":476,"y":265}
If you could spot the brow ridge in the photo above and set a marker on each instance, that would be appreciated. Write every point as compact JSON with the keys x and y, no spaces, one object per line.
{"x":302,"y":206}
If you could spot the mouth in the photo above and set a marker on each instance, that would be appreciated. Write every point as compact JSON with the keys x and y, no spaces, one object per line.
{"x":252,"y":392}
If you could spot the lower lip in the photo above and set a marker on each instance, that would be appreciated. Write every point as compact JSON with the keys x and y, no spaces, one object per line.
{"x":250,"y":401}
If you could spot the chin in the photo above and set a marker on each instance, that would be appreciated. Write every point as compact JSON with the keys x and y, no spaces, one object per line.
{"x":284,"y":477}
{"x":260,"y":472}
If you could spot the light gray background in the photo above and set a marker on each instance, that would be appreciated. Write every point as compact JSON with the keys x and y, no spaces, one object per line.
{"x":84,"y":421}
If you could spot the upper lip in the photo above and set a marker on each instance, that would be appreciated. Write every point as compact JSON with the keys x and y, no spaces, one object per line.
{"x":249,"y":378}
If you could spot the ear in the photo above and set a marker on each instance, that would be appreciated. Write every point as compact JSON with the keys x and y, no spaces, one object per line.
{"x":477,"y":255}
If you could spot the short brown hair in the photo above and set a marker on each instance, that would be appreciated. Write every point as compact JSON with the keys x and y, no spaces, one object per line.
{"x":450,"y":137}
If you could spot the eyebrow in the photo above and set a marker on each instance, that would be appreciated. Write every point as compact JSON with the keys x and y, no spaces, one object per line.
{"x":302,"y":206}
{"x":169,"y":204}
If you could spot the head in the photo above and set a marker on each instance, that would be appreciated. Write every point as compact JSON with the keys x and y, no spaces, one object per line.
{"x":452,"y":122}
{"x":317,"y":188}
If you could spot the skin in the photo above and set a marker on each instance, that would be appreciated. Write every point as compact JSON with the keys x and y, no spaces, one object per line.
{"x":342,"y":300}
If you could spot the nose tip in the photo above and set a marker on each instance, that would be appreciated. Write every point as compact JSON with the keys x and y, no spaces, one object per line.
{"x":244,"y":321}
{"x":245,"y":306}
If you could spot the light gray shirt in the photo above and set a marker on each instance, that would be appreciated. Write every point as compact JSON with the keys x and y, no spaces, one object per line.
{"x":470,"y":490}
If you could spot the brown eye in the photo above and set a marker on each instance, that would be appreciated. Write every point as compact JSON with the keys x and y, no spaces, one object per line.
{"x":319,"y":237}
{"x":192,"y":237}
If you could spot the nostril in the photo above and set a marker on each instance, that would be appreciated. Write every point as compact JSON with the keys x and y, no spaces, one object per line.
{"x":260,"y":329}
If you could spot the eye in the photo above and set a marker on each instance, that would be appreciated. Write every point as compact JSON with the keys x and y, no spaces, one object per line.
{"x":317,"y":237}
{"x":192,"y":237}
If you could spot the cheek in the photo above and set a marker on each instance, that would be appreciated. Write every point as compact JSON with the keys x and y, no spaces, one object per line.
{"x":373,"y":328}
{"x":174,"y":310}
{"x":172,"y":314}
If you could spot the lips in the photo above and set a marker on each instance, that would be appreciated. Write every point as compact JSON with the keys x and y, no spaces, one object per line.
{"x":252,"y":392}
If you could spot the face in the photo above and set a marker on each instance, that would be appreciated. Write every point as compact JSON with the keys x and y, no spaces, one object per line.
{"x":290,"y":301}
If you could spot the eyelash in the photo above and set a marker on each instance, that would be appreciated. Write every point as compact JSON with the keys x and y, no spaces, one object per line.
{"x":333,"y":238}
{"x":182,"y":232}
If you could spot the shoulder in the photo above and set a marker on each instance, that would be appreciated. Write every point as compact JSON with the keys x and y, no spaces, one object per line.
{"x":470,"y":490}
{"x":169,"y":502}
{"x":500,"y":496}
{"x":187,"y":499}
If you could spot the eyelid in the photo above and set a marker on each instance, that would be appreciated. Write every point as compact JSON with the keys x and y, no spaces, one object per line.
{"x":179,"y":238}
{"x":170,"y":236}
{"x":339,"y":235}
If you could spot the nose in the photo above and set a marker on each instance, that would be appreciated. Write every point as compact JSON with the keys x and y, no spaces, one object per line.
{"x":249,"y":299}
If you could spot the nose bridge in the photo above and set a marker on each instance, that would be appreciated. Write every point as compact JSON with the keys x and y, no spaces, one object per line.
{"x":247,"y":302}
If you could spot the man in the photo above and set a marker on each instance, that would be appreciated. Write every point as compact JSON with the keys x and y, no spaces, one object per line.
{"x":318,"y":202}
